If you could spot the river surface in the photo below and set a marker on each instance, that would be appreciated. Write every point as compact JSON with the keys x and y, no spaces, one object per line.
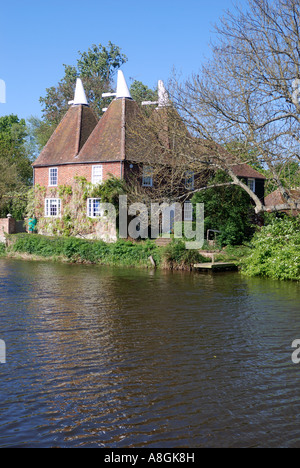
{"x":120,"y":358}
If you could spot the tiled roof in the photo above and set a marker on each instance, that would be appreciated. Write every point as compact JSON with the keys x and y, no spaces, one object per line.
{"x":69,"y":137}
{"x":244,"y":170}
{"x":80,"y":138}
{"x":276,"y":198}
{"x":108,"y":141}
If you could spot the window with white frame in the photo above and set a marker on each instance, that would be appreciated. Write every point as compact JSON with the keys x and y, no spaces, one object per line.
{"x":147,"y":176}
{"x":53,"y":176}
{"x":189,"y":180}
{"x":188,"y":211}
{"x":97,"y":174}
{"x":94,"y":208}
{"x":52,"y":207}
{"x":251,"y":184}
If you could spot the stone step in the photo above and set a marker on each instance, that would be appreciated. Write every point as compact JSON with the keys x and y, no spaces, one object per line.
{"x":161,"y":242}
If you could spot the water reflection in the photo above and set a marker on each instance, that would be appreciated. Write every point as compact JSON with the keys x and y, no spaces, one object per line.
{"x":126,"y":358}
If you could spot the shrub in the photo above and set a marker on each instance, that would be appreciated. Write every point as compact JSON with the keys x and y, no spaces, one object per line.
{"x":81,"y":250}
{"x":176,"y":255}
{"x":2,"y":249}
{"x":276,"y":251}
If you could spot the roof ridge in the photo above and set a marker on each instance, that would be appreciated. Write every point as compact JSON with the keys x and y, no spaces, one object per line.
{"x":123,"y":128}
{"x":79,"y":125}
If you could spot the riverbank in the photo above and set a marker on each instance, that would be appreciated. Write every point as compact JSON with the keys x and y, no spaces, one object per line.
{"x":270,"y":255}
{"x":143,"y":254}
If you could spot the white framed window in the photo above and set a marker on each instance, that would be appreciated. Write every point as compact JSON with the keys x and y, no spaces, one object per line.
{"x":53,"y":176}
{"x":147,"y":176}
{"x":52,"y":207}
{"x":97,"y":174}
{"x":251,"y":184}
{"x":188,"y":211}
{"x":94,"y":208}
{"x":189,"y":180}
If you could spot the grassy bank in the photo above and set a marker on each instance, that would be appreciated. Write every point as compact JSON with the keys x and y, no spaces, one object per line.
{"x":273,"y":253}
{"x":122,"y":253}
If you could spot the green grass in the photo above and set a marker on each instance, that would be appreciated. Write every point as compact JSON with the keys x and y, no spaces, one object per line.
{"x":235,"y":254}
{"x":85,"y":251}
{"x":121,"y":253}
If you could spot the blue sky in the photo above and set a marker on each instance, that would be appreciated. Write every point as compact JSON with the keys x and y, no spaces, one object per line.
{"x":38,"y":36}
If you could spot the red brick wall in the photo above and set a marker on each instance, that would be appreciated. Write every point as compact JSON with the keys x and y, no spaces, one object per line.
{"x":67,"y":173}
{"x":8,"y":226}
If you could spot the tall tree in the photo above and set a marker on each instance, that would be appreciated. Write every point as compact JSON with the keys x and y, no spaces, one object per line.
{"x":15,"y":162}
{"x":140,"y":92}
{"x":13,"y":147}
{"x":97,"y":68}
{"x":249,"y":90}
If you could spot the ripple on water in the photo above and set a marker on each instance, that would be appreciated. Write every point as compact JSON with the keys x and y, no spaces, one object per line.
{"x":101,"y":357}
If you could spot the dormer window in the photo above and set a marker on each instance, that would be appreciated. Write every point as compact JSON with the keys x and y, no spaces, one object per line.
{"x":53,"y":176}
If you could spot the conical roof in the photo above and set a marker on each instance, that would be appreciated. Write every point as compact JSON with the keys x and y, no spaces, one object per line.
{"x":109,"y":138}
{"x":69,"y":137}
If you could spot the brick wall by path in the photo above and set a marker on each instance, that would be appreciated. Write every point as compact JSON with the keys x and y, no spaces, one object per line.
{"x":7,"y":226}
{"x":67,"y":173}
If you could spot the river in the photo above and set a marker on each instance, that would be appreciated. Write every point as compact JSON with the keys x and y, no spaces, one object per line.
{"x":110,"y":357}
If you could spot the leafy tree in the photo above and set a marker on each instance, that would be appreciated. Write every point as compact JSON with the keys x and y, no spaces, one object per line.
{"x":97,"y":68}
{"x":228,"y":210}
{"x":140,"y":92}
{"x":15,"y":165}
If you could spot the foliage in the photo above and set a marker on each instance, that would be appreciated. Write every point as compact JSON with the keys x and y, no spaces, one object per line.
{"x":74,"y":220}
{"x":13,"y":134}
{"x":227,"y":209}
{"x":84,"y":251}
{"x":140,"y":92}
{"x":176,"y":255}
{"x":236,"y":253}
{"x":40,"y":131}
{"x":123,"y":252}
{"x":16,"y":202}
{"x":276,"y":251}
{"x":110,"y":190}
{"x":2,"y":249}
{"x":97,"y":68}
{"x":15,"y":166}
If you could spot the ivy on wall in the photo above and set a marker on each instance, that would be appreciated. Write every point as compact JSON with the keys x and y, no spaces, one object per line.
{"x":73,"y":220}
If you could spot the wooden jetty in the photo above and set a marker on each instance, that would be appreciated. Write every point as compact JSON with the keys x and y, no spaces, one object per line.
{"x":216,"y":267}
